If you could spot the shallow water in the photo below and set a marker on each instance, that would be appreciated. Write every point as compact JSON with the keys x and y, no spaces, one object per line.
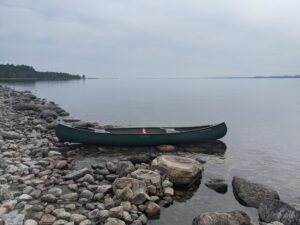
{"x":262,"y":115}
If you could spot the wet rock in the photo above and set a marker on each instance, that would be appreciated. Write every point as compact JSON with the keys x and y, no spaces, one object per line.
{"x":230,"y":218}
{"x":275,"y":210}
{"x":77,"y":174}
{"x":250,"y":193}
{"x":180,"y":170}
{"x":152,"y":209}
{"x":217,"y":185}
{"x":124,"y":168}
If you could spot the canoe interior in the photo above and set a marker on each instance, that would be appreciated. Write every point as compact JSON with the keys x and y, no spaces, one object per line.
{"x":145,"y":130}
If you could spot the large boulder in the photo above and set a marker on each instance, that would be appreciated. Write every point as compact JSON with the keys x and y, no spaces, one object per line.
{"x":250,"y":193}
{"x":180,"y":170}
{"x":275,"y":210}
{"x":229,"y":218}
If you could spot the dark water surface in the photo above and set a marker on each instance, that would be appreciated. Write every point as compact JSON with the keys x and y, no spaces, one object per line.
{"x":263,"y":118}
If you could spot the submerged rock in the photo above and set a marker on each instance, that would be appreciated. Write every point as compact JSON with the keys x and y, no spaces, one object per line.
{"x":180,"y":170}
{"x":229,"y":218}
{"x":217,"y":185}
{"x":275,"y":210}
{"x":250,"y":193}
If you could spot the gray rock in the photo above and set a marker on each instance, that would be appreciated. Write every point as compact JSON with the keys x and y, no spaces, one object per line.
{"x":87,"y":178}
{"x":77,"y":174}
{"x":4,"y":192}
{"x":250,"y":193}
{"x":47,"y":219}
{"x":114,"y":221}
{"x":70,"y":196}
{"x":229,"y":218}
{"x":111,"y":166}
{"x":148,"y":176}
{"x":85,"y":222}
{"x":55,"y":191}
{"x":3,"y":211}
{"x":86,"y":194}
{"x":30,"y":222}
{"x":48,"y":113}
{"x":77,"y":218}
{"x":10,"y":135}
{"x":275,"y":210}
{"x":12,"y":169}
{"x":50,"y":198}
{"x":116,"y":212}
{"x":124,"y":168}
{"x":104,"y":188}
{"x":127,"y":217}
{"x":54,"y":153}
{"x":180,"y":170}
{"x":24,"y":197}
{"x":137,"y":187}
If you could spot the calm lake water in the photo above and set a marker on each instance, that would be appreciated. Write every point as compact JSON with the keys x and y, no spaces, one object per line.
{"x":263,"y":118}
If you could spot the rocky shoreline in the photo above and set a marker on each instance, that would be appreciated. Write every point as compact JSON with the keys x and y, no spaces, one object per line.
{"x":39,"y":184}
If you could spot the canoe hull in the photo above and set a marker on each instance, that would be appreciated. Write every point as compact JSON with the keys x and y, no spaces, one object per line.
{"x":69,"y":134}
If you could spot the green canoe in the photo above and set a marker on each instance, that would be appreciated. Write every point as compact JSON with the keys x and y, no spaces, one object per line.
{"x":140,"y":136}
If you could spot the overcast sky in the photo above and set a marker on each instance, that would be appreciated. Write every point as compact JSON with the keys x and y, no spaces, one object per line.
{"x":155,"y":38}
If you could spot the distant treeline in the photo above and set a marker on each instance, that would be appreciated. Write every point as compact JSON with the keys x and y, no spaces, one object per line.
{"x":24,"y":72}
{"x":283,"y":76}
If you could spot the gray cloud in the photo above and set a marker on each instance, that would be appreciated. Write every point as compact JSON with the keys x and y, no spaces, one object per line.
{"x":153,"y":38}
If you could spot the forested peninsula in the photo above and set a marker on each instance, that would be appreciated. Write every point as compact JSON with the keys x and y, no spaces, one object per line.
{"x":10,"y":72}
